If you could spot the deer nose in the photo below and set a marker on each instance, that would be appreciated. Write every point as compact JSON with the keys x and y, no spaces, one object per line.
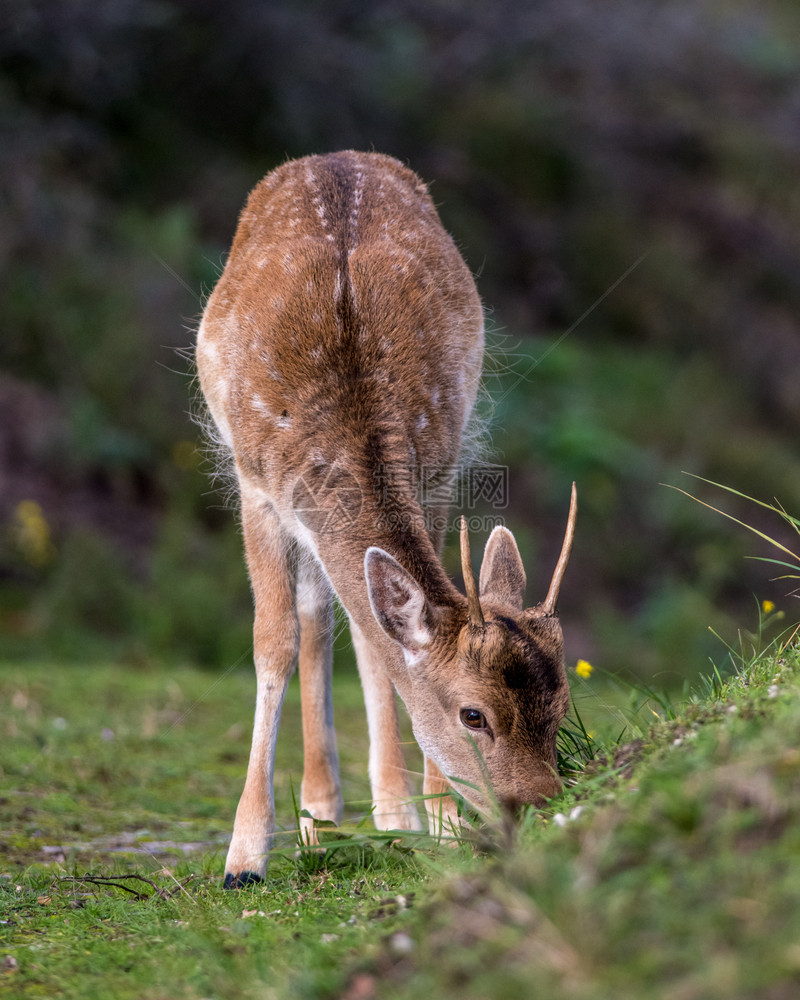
{"x":550,"y":786}
{"x":546,"y":787}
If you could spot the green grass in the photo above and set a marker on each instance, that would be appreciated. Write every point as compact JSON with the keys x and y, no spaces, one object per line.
{"x":113,"y":771}
{"x":667,"y":869}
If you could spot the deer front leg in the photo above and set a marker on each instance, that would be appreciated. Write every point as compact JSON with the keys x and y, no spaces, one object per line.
{"x":320,"y":793}
{"x":275,"y":646}
{"x":391,"y":788}
{"x":443,"y":818}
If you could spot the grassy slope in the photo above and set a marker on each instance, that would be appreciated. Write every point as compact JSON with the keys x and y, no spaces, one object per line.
{"x":679,"y":878}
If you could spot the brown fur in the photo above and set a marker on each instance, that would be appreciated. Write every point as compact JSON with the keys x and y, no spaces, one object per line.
{"x":340,"y":355}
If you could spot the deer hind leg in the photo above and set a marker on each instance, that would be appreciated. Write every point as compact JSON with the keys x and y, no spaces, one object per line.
{"x":320,"y":793}
{"x":391,"y":788}
{"x":275,"y":646}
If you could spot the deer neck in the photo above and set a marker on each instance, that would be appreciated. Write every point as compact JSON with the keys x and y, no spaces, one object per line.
{"x":390,"y":517}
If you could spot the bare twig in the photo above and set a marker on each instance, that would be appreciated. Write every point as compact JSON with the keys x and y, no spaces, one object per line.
{"x":118,"y":882}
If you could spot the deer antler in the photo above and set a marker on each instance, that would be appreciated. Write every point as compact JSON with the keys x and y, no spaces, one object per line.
{"x":549,"y":606}
{"x":473,"y":601}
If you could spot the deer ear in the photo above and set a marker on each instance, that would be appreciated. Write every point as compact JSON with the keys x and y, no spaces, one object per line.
{"x":502,"y":572}
{"x":398,"y":603}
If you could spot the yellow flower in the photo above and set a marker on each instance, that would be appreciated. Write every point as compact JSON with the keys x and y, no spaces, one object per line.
{"x":583,"y":669}
{"x":33,"y":533}
{"x":768,"y":607}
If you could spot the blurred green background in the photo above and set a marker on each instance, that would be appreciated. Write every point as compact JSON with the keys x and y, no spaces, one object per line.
{"x":622,"y":177}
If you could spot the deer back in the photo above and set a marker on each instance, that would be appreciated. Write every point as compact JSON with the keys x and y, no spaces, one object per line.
{"x":345,"y":316}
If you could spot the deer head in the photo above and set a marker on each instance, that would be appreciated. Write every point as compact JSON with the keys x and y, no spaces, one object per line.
{"x":484,"y":681}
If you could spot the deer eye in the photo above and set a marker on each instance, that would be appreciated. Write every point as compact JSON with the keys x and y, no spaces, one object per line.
{"x":473,"y":719}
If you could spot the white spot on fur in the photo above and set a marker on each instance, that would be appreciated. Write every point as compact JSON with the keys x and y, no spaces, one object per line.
{"x":259,"y":405}
{"x":207,"y":348}
{"x":358,"y":194}
{"x":421,"y":422}
{"x":283,"y":422}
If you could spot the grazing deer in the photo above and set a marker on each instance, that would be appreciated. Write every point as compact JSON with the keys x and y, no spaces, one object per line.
{"x":340,"y":355}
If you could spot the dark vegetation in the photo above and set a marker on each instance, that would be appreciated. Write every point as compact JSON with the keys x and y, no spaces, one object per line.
{"x":622,"y":173}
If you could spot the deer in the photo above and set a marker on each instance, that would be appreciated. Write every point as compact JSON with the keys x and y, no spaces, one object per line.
{"x":340,"y":355}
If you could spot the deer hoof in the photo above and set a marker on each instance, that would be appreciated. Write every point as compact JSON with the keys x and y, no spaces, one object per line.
{"x":241,"y":879}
